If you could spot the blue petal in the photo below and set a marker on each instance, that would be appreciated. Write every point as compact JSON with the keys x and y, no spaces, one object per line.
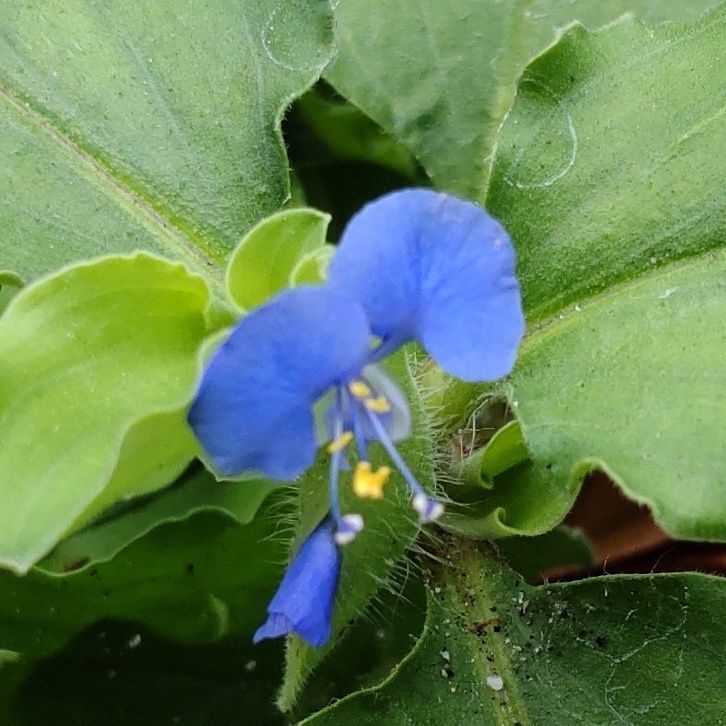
{"x":303,"y":603}
{"x":275,"y":626}
{"x":434,"y":268}
{"x":253,"y":408}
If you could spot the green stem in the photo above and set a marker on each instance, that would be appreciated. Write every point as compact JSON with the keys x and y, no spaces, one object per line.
{"x":478,"y":588}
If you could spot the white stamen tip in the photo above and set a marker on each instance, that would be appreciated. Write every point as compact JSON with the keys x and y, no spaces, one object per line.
{"x":428,"y":510}
{"x":350,"y":525}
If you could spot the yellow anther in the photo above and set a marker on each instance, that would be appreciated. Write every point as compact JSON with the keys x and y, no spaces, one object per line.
{"x":359,"y":389}
{"x":378,"y":405}
{"x":368,"y":484}
{"x":341,"y":442}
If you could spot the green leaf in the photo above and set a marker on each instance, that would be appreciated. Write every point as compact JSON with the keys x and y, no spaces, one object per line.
{"x":10,"y":283}
{"x":595,"y":165}
{"x":195,"y":492}
{"x":312,"y":267}
{"x":267,"y":258}
{"x":138,"y":472}
{"x":117,"y":673}
{"x":529,"y":499}
{"x":171,"y":614}
{"x":97,"y":365}
{"x":505,"y":449}
{"x":625,"y":649}
{"x":377,"y":556}
{"x":194,"y":581}
{"x":349,"y":134}
{"x":594,"y":179}
{"x":498,"y":491}
{"x":107,"y":630}
{"x":127,"y":125}
{"x":645,"y":408}
{"x":441,"y":77}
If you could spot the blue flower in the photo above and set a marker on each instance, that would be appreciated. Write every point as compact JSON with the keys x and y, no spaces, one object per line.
{"x":303,"y":603}
{"x":300,"y":372}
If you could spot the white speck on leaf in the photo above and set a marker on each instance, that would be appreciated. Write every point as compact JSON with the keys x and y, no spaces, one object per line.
{"x":496,"y":683}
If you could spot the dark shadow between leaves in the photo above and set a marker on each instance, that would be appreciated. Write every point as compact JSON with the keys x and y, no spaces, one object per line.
{"x":115,"y":673}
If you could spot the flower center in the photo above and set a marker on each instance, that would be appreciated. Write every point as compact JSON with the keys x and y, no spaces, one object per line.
{"x":358,"y":414}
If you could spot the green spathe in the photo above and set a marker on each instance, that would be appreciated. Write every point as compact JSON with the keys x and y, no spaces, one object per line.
{"x":378,"y":555}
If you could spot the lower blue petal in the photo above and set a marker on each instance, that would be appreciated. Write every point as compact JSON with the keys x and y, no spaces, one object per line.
{"x":275,"y":627}
{"x":253,"y":409}
{"x":303,"y":603}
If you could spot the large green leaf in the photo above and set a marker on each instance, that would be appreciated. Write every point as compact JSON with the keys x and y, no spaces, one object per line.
{"x":642,"y":649}
{"x":195,"y":492}
{"x":375,"y":560}
{"x":97,"y":364}
{"x":440,"y":77}
{"x":146,"y":125}
{"x":117,"y":673}
{"x":194,"y":581}
{"x":605,"y":168}
{"x":172,"y":614}
{"x":607,"y":179}
{"x":630,"y":385}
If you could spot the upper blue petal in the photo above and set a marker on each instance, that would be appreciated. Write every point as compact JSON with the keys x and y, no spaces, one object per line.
{"x":431,"y":267}
{"x":253,"y":407}
{"x":304,"y":601}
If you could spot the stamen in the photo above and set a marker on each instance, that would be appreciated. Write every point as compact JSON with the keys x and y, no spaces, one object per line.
{"x":359,"y":389}
{"x":428,"y":510}
{"x":368,"y":484}
{"x":348,"y":528}
{"x":335,"y":462}
{"x":341,"y":442}
{"x":378,"y":405}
